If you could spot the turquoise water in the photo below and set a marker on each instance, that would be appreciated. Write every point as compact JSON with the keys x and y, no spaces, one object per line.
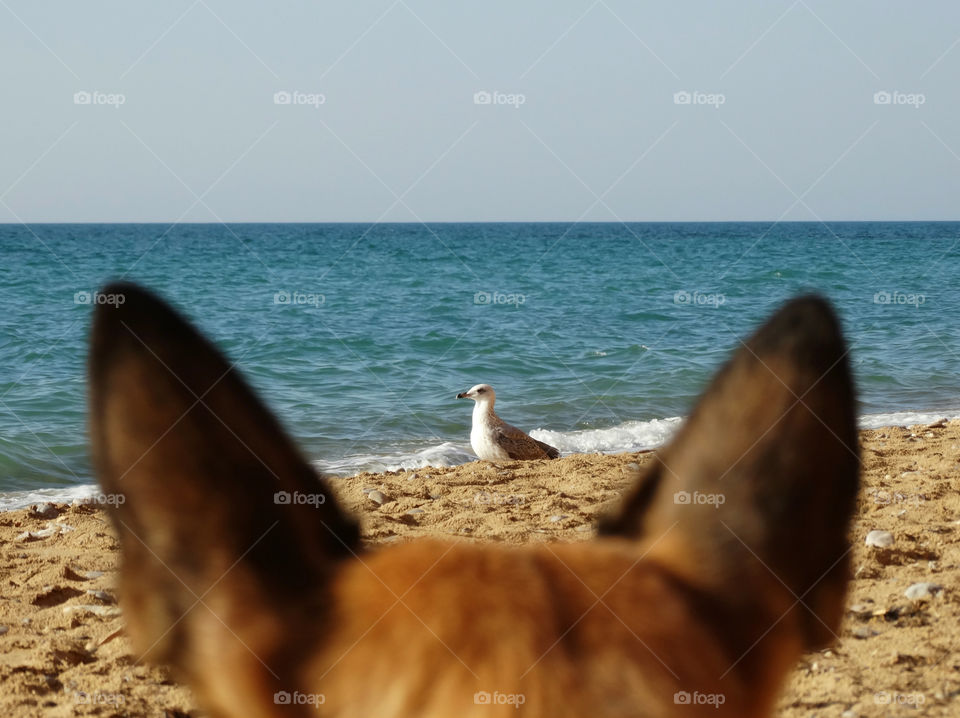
{"x":593,"y":333}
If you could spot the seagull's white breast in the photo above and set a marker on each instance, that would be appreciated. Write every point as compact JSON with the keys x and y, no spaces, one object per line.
{"x":482,"y":436}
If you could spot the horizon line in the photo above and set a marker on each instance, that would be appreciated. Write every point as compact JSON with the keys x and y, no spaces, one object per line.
{"x":489,"y":221}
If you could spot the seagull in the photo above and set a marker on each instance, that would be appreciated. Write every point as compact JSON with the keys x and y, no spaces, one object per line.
{"x":493,"y":439}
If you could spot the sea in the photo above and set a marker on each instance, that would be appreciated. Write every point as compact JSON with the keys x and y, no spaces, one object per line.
{"x":596,"y":337}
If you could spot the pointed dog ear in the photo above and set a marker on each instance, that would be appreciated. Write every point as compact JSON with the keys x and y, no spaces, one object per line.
{"x":770,"y":454}
{"x":212,"y":494}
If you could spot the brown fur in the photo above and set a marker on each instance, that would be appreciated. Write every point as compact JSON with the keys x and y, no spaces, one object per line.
{"x":247,"y":597}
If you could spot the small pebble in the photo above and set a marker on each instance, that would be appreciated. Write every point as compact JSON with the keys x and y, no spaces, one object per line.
{"x":44,"y":533}
{"x":93,"y":574}
{"x":880,"y":539}
{"x":45,"y":511}
{"x":102,"y":596}
{"x":584,"y":527}
{"x":4,"y":629}
{"x":861,"y":632}
{"x":632,"y":467}
{"x":414,"y":512}
{"x":558,"y":518}
{"x":377,"y":497}
{"x":922,"y":591}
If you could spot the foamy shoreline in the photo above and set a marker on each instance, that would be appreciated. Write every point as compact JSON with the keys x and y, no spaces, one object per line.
{"x":625,"y":438}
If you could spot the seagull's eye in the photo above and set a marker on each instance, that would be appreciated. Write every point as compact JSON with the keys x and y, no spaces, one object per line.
{"x":480,"y":391}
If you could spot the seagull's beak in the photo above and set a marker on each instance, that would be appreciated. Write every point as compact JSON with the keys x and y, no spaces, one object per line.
{"x":463,"y":395}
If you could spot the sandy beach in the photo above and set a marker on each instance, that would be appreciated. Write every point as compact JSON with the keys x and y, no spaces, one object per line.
{"x":63,"y":651}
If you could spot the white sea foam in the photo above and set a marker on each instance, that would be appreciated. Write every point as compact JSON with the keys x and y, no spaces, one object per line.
{"x":906,"y":418}
{"x":628,"y":436}
{"x":59,"y":495}
{"x":445,"y":454}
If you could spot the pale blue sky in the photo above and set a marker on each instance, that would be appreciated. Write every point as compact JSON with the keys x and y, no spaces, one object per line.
{"x":399,"y":137}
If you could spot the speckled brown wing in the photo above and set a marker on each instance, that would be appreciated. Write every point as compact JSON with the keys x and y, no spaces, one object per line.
{"x":519,"y":445}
